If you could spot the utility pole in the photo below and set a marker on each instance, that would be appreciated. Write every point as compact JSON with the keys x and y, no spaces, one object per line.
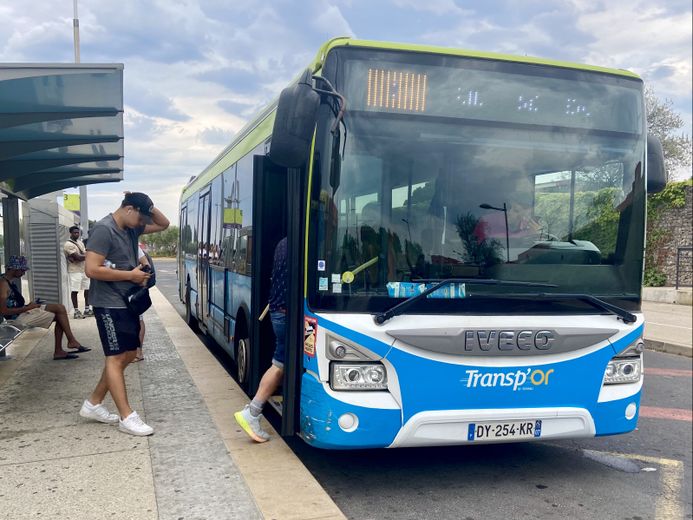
{"x":83,"y":206}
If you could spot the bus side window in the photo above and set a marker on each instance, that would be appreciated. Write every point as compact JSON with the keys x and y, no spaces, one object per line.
{"x":241,"y":259}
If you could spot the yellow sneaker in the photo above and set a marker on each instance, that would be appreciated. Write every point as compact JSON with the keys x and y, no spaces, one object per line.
{"x":251,"y":425}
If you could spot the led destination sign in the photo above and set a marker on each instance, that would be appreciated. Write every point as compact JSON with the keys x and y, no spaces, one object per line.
{"x":490,"y":95}
{"x":396,"y":90}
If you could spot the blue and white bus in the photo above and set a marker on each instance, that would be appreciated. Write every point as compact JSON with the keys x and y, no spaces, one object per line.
{"x":466,"y":235}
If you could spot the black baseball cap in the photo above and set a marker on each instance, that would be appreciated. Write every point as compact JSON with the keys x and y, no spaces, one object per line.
{"x":139,"y":201}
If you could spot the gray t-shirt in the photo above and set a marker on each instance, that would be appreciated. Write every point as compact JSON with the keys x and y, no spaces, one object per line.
{"x":119,"y":246}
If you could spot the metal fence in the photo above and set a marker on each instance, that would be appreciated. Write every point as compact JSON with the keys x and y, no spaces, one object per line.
{"x":687,"y":254}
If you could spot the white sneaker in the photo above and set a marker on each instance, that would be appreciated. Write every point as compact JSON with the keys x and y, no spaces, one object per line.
{"x":133,"y":425}
{"x":78,"y":315}
{"x":98,"y":412}
{"x":251,"y":425}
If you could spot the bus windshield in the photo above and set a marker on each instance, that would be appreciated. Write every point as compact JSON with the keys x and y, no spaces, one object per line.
{"x":456,"y":167}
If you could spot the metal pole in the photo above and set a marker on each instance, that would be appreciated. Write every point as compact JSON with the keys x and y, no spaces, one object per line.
{"x":507,"y":232}
{"x":83,"y":203}
{"x":10,"y":223}
{"x":75,"y":29}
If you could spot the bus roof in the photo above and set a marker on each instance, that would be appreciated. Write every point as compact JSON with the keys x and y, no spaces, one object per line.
{"x":260,"y":127}
{"x":432,"y":49}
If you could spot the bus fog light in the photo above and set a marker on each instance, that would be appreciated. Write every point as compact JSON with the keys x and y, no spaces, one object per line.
{"x":623,"y":370}
{"x":630,"y":411}
{"x":348,"y":422}
{"x":358,"y":376}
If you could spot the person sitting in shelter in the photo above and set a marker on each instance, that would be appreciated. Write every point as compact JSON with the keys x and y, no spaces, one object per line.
{"x":35,"y":314}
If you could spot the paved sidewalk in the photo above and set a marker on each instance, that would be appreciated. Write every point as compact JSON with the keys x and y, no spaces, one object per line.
{"x":668,"y":327}
{"x":198,"y":464}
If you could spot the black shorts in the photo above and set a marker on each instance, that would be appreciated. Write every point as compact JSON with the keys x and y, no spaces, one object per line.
{"x":119,"y":330}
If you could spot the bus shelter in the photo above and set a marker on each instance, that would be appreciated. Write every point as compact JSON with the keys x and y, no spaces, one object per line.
{"x":61,"y":126}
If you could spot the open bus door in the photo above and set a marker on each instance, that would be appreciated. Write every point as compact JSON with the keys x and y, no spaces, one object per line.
{"x":277,"y":212}
{"x":203,"y":230}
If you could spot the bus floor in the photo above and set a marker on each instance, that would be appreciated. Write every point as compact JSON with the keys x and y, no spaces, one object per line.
{"x":276,"y":402}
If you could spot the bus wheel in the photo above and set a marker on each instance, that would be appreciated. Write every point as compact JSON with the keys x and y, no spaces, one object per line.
{"x":189,"y":318}
{"x":243,"y":362}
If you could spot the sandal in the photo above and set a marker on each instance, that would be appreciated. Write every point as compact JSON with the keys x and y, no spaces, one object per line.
{"x":66,"y":356}
{"x":138,"y":359}
{"x":81,"y":348}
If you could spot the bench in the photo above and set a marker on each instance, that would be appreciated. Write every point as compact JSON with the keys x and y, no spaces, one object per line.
{"x":9,"y":331}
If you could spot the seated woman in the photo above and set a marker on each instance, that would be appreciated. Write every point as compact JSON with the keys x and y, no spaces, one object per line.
{"x":521,"y":224}
{"x":13,"y":307}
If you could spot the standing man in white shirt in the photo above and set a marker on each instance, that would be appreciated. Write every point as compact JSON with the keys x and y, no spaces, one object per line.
{"x":75,"y":252}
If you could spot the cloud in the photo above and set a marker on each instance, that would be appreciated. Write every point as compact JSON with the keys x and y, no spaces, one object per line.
{"x":153,"y":103}
{"x":330,"y":21}
{"x":438,"y":7}
{"x":216,"y":136}
{"x":197,"y":70}
{"x":655,"y":42}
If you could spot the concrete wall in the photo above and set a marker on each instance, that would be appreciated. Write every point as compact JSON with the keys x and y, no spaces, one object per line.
{"x":677,"y":223}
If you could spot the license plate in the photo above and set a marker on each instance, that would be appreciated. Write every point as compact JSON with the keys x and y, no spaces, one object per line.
{"x":504,"y":430}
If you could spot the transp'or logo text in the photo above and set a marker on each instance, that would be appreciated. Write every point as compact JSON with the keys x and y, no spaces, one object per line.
{"x":522,"y":379}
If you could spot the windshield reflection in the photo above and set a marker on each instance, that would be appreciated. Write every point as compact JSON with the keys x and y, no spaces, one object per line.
{"x":429,"y":198}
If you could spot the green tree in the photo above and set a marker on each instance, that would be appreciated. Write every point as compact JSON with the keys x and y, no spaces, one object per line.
{"x":163,"y":243}
{"x":663,"y":123}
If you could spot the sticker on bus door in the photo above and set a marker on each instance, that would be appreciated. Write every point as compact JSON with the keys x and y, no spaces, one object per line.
{"x":310,"y":334}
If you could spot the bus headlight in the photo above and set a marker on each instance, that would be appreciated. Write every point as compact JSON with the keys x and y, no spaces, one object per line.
{"x":358,"y":376}
{"x":623,"y":370}
{"x":626,"y":367}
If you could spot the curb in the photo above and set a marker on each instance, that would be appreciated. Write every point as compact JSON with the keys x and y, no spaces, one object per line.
{"x":669,"y":348}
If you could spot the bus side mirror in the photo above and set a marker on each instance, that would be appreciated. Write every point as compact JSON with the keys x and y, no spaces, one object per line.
{"x":656,"y":174}
{"x":294,"y":123}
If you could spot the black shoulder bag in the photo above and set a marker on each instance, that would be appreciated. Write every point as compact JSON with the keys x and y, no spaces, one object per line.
{"x":137,"y":298}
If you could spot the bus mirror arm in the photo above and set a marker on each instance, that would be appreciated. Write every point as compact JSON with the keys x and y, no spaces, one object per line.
{"x":339,"y":114}
{"x":336,"y":159}
{"x":335,"y":164}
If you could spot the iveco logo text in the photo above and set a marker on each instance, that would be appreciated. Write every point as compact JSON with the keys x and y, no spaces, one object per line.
{"x":516,"y":380}
{"x":507,"y":340}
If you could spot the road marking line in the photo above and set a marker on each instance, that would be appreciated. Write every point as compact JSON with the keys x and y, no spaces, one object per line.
{"x":675,"y":372}
{"x":676,"y":414}
{"x":668,"y":504}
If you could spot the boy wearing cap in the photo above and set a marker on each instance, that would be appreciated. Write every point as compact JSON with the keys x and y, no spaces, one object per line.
{"x":112,"y":265}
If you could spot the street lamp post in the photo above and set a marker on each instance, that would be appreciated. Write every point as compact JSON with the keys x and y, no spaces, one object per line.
{"x":504,"y":209}
{"x":83,"y":205}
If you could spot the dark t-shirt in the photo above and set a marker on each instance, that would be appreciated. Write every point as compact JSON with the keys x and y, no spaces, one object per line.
{"x":277,"y":295}
{"x":119,"y":246}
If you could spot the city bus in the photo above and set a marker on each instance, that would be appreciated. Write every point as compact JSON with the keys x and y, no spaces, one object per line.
{"x":466,"y":235}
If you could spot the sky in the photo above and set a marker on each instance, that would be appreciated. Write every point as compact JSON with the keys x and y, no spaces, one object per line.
{"x":197,"y":70}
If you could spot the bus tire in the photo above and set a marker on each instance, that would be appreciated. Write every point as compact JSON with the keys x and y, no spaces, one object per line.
{"x":243,"y":361}
{"x":189,"y":318}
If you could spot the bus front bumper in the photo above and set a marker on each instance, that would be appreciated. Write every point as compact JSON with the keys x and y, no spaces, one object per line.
{"x":331,"y":423}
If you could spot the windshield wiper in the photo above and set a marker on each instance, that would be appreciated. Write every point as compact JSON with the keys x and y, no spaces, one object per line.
{"x":401,"y":307}
{"x":626,"y":316}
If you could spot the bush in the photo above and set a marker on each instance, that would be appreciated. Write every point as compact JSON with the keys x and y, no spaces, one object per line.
{"x":654,"y":278}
